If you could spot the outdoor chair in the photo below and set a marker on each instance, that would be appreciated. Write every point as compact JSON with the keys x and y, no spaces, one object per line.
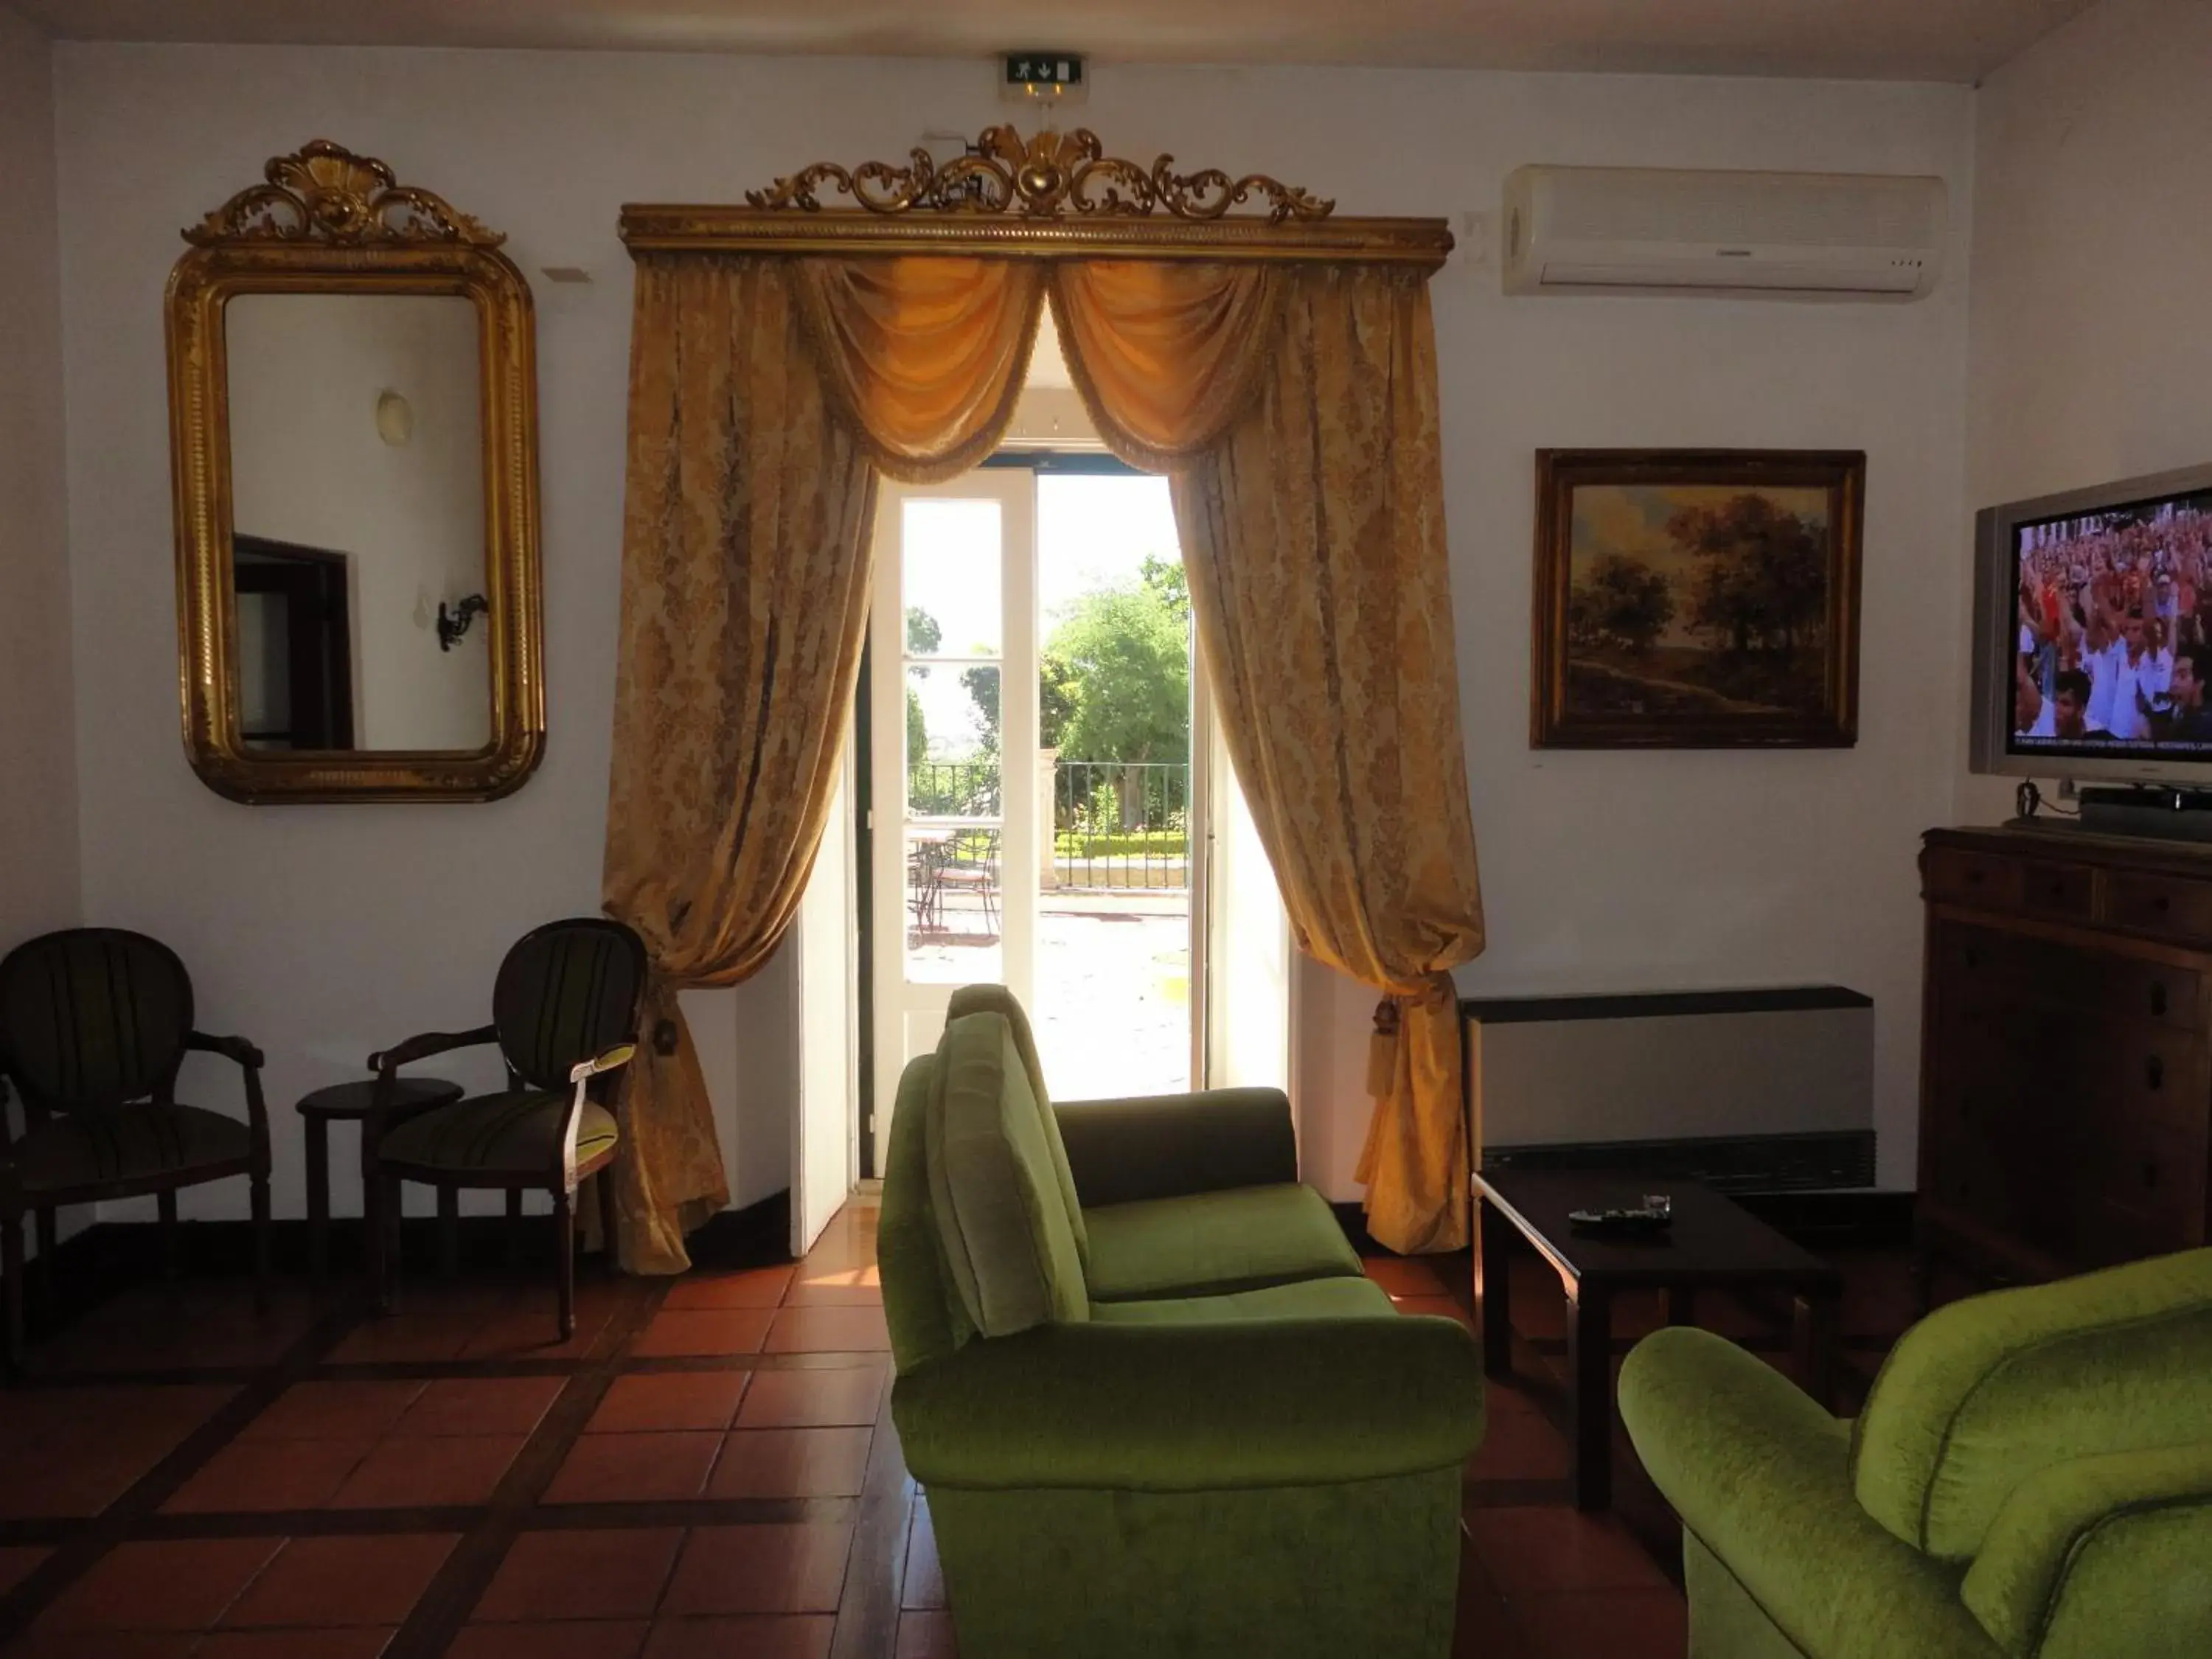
{"x":971,"y":864}
{"x":95,"y":1024}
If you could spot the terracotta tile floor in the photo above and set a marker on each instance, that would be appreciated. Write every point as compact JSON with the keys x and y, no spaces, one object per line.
{"x":707,"y":1469}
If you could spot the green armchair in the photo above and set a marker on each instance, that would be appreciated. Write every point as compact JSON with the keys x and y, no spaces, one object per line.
{"x":1155,"y":1404}
{"x":2032,"y":1479}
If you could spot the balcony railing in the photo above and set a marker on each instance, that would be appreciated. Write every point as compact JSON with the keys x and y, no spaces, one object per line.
{"x":1120,"y":824}
{"x":1115,"y":825}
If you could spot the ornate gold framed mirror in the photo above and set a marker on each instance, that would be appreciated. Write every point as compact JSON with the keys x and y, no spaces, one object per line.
{"x":352,"y":404}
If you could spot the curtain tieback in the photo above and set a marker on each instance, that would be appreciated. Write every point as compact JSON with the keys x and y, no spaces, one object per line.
{"x":1382,"y":1049}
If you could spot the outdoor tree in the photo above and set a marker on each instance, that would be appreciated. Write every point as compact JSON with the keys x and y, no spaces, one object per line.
{"x":1057,"y":693}
{"x":1763,"y":577}
{"x":923,"y":635}
{"x":1623,"y":602}
{"x":1126,"y":649}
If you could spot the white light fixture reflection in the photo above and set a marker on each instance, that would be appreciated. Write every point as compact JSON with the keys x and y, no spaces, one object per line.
{"x":395,"y":419}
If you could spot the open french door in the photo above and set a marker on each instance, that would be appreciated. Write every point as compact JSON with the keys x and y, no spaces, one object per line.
{"x":1241,"y":944}
{"x":824,"y":1154}
{"x":953,"y":818}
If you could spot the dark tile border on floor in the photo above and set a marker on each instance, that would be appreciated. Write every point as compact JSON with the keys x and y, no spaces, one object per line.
{"x":81,"y":1543}
{"x":438,"y":1616}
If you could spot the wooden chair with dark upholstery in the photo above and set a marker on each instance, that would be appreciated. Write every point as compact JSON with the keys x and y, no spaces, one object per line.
{"x":564,"y":1015}
{"x":94,"y":1022}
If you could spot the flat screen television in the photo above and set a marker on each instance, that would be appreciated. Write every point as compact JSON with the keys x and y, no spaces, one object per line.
{"x":2092,"y":634}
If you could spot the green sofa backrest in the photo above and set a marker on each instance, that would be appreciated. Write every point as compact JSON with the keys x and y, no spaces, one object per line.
{"x":1986,"y":1391}
{"x":1009,"y":1241}
{"x":997,"y":999}
{"x":925,"y":1318}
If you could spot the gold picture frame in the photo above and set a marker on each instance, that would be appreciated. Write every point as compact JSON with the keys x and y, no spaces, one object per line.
{"x":1697,"y":599}
{"x":326,"y":221}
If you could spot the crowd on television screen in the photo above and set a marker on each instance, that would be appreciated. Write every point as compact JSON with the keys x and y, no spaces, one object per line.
{"x":2113,"y":646}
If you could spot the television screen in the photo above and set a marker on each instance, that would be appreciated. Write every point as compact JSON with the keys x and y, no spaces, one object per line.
{"x":2112,"y":632}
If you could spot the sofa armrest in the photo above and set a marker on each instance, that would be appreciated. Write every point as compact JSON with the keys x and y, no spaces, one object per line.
{"x":1760,"y":1474}
{"x":1194,"y":1407}
{"x":2114,"y":1547}
{"x":1169,"y":1146}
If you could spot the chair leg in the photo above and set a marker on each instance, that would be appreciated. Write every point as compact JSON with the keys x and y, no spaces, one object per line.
{"x":604,"y":1181}
{"x":449,"y":1231}
{"x":172,"y":1262}
{"x":380,"y":1196}
{"x":11,"y":1264}
{"x":514,"y":1226}
{"x":564,"y":1259}
{"x":46,"y":1247}
{"x":260,"y":1199}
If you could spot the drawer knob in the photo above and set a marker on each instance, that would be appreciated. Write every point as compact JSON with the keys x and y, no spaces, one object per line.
{"x":2162,"y":904}
{"x":2158,"y":997}
{"x":2155,"y":1072}
{"x":2150,"y":1173}
{"x":1973,"y":878}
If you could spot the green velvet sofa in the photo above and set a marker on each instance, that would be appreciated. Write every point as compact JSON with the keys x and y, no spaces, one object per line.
{"x":2032,"y":1479}
{"x":1156,"y":1407}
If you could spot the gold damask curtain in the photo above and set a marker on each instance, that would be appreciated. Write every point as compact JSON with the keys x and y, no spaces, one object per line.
{"x":765,"y":394}
{"x":1295,"y":408}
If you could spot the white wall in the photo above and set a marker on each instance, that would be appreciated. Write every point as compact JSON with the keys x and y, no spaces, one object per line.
{"x":38,"y":753}
{"x":2091,"y":357}
{"x":324,"y":932}
{"x":1619,"y":870}
{"x":309,"y":466}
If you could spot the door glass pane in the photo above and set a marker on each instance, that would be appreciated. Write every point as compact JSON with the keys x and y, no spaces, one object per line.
{"x":1112,"y":1003}
{"x":949,"y":551}
{"x":954,"y":824}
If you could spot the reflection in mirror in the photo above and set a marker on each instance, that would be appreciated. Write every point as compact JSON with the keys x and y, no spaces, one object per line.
{"x":358,"y":510}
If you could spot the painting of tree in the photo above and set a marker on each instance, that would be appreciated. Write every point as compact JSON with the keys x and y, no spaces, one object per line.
{"x":1697,"y":599}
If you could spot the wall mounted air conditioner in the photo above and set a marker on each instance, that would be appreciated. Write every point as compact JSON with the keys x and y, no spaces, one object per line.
{"x":1777,"y":235}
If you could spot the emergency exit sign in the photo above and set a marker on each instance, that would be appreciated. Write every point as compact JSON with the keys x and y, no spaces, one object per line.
{"x":1043,"y":74}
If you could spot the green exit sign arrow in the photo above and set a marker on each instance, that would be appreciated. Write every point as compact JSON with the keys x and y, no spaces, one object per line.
{"x":1043,"y":74}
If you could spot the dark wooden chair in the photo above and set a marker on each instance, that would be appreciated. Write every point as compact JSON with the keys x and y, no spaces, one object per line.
{"x":564,"y":1015}
{"x":94,"y":1022}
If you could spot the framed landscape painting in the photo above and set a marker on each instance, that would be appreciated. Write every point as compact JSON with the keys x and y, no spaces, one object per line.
{"x":1697,"y":599}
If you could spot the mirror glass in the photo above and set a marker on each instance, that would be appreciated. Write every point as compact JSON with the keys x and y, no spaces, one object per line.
{"x":357,"y":515}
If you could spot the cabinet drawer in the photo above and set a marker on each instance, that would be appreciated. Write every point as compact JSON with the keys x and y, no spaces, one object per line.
{"x":2155,"y":1173}
{"x":2171,"y":905}
{"x":2010,"y":979}
{"x":2065,"y":892}
{"x":1953,"y":876}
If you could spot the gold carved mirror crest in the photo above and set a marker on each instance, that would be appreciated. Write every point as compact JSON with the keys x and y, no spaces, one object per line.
{"x":354,"y":453}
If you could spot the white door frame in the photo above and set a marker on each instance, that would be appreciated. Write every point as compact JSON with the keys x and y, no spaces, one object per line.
{"x":908,"y":1014}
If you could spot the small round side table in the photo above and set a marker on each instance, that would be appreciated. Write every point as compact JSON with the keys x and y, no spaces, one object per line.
{"x":349,"y":1103}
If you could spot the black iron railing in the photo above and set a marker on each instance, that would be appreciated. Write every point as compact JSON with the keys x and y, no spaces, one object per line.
{"x":1120,"y":824}
{"x":1115,"y":824}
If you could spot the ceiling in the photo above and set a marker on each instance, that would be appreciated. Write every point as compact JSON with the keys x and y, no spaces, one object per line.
{"x":1958,"y":40}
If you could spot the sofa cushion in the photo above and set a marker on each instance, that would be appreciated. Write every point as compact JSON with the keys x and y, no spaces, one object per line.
{"x":1213,"y":1243}
{"x":927,"y":1317}
{"x":1983,"y":1392}
{"x":997,"y":999}
{"x":1311,"y":1299}
{"x":1009,"y":1243}
{"x":2101,"y":1555}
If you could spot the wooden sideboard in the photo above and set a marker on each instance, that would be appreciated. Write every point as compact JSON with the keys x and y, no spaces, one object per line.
{"x":2066,"y":1048}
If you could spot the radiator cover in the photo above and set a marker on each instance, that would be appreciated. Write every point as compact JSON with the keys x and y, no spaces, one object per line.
{"x":1767,"y":1090}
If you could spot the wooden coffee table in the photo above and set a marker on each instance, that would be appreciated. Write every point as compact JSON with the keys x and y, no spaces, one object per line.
{"x":1713,"y":1243}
